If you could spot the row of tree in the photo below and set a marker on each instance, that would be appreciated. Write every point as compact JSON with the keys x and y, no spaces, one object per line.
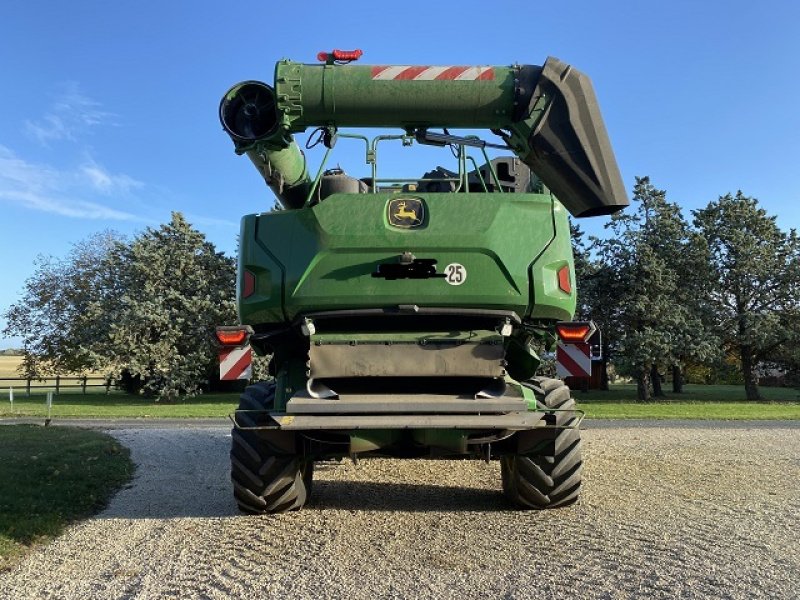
{"x":669,"y":294}
{"x":666,"y":293}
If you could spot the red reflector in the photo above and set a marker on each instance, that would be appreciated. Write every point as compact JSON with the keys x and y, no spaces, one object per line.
{"x":232,"y":337}
{"x":249,"y":285}
{"x":343,"y":55}
{"x":573,"y":332}
{"x":347,"y":54}
{"x":564,"y":283}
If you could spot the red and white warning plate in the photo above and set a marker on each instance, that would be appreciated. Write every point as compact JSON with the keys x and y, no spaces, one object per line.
{"x":573,"y":360}
{"x":417,"y":73}
{"x":236,"y":363}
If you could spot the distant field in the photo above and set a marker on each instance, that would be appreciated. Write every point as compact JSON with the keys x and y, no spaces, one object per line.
{"x":722,"y":402}
{"x":8,"y":366}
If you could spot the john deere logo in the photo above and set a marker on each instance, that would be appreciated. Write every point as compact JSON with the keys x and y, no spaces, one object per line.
{"x":406,"y":212}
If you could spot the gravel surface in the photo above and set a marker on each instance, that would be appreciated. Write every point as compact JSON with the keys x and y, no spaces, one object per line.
{"x":667,"y":512}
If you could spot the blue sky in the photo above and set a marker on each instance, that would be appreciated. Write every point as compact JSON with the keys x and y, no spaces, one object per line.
{"x":108,"y":116}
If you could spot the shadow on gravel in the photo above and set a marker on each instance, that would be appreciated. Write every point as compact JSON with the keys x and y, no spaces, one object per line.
{"x":369,"y":496}
{"x":186,"y":473}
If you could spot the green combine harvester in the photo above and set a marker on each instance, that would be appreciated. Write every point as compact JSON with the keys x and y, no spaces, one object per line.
{"x":401,"y":315}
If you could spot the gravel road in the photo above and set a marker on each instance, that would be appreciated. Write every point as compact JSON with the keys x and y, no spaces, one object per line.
{"x":667,"y":512}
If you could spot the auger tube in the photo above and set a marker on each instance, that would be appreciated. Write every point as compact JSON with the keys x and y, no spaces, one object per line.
{"x":549,"y":116}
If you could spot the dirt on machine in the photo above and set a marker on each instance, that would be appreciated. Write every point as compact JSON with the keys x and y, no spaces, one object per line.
{"x":404,"y":313}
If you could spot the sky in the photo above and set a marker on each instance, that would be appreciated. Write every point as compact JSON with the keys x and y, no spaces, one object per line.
{"x":108,"y":110}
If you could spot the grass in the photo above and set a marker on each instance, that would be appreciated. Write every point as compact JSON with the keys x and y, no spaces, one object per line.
{"x":50,"y":477}
{"x":719,"y":402}
{"x":697,"y":402}
{"x":117,"y":405}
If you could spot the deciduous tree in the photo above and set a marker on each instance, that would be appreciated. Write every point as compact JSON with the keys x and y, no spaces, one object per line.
{"x":55,"y":316}
{"x":146,"y":307}
{"x":755,"y":288}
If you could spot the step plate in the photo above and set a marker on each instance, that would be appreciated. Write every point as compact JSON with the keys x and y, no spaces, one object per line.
{"x":516,"y":421}
{"x":371,"y":404}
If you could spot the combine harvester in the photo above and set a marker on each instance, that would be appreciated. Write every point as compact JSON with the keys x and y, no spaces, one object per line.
{"x":401,"y":314}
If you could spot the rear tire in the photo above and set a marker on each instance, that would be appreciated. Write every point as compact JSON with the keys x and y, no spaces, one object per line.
{"x":265,"y":478}
{"x":550,"y":476}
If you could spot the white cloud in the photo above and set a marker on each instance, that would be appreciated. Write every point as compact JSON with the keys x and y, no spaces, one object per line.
{"x":108,"y":183}
{"x":72,"y":114}
{"x":67,"y":193}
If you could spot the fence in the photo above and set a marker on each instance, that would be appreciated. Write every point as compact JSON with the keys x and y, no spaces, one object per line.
{"x":59,"y":383}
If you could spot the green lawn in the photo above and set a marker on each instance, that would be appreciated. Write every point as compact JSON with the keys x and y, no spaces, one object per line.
{"x":118,"y":405}
{"x":697,"y":402}
{"x":691,"y":392}
{"x":50,"y":477}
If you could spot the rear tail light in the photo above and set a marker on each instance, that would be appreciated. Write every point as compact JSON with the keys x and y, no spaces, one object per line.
{"x":575,"y":331}
{"x":233,"y":336}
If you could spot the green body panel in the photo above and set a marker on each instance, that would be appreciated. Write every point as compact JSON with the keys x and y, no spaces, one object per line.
{"x":323,"y":257}
{"x":543,"y":274}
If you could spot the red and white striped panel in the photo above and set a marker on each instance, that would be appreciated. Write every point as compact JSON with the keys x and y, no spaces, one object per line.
{"x":417,"y":73}
{"x":573,"y":360}
{"x":236,"y":363}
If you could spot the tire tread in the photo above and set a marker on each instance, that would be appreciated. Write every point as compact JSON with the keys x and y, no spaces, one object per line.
{"x":551,"y":476}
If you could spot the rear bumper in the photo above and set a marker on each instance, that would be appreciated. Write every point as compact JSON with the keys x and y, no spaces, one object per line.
{"x":355,"y":412}
{"x":515,"y":421}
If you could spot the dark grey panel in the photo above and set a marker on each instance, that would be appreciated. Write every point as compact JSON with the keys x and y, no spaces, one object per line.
{"x":571,"y":151}
{"x":303,"y":404}
{"x":517,"y":421}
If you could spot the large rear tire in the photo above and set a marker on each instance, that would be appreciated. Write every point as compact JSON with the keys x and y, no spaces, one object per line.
{"x":550,"y":475}
{"x":266,"y":479}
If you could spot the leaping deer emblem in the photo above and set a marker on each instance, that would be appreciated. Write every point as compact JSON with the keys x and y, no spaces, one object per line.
{"x":403,"y":213}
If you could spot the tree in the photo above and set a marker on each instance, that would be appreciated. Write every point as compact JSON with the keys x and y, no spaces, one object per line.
{"x":755,"y":289}
{"x":167,"y":290}
{"x":144,"y":308}
{"x":596,"y":283}
{"x":55,"y":316}
{"x":651,"y":272}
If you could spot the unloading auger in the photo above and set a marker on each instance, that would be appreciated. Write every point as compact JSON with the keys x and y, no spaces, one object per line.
{"x":548,"y":115}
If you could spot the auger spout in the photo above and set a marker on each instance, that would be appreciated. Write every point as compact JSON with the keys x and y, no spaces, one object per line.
{"x":248,"y":114}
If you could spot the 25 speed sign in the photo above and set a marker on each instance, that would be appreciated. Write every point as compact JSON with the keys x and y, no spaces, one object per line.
{"x":455,"y":274}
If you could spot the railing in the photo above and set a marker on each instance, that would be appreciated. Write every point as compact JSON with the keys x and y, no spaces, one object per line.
{"x":59,"y":383}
